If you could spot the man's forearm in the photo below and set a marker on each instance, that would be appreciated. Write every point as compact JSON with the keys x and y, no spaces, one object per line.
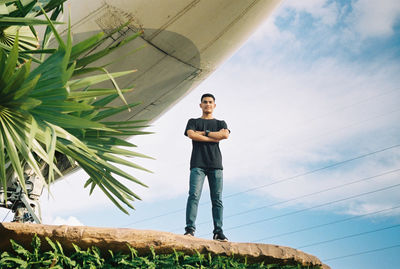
{"x":220,"y":135}
{"x":198,"y":136}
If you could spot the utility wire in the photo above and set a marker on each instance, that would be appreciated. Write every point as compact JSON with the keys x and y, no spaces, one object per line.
{"x":309,"y":208}
{"x":6,"y":216}
{"x":155,"y":217}
{"x":302,"y":196}
{"x":272,"y":183}
{"x":308,"y":121}
{"x":374,"y":97}
{"x":312,"y":171}
{"x":9,"y":209}
{"x":361,"y":253}
{"x":330,"y":132}
{"x":348,"y":236}
{"x":327,"y":224}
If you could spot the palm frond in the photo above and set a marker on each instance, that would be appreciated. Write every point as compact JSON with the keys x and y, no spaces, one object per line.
{"x":44,"y":111}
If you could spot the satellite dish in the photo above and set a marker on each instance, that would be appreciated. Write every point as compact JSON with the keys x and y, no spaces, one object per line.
{"x":185,"y":41}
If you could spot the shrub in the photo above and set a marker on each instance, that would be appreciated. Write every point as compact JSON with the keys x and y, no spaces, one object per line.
{"x":93,"y":258}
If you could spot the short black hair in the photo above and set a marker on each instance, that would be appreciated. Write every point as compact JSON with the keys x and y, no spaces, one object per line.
{"x":207,"y":95}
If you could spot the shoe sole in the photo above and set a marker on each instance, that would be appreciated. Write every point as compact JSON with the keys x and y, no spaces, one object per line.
{"x":221,"y":240}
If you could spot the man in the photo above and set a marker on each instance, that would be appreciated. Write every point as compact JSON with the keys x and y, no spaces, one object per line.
{"x":206,"y":160}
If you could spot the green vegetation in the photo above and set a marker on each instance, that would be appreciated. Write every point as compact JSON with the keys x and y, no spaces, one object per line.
{"x":92,"y":258}
{"x":51,"y":107}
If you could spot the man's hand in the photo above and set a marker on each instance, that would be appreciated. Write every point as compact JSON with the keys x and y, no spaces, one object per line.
{"x":200,"y":136}
{"x":220,"y":135}
{"x":212,"y":136}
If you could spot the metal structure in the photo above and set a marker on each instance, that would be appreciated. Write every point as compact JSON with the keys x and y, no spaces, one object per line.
{"x":25,"y":206}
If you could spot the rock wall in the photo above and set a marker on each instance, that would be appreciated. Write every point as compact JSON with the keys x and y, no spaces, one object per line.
{"x":162,"y":242}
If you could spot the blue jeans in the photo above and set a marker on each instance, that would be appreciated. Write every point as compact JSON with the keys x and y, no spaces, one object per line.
{"x":197,"y":176}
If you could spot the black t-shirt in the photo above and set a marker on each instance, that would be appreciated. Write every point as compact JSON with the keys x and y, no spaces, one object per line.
{"x":205,"y":154}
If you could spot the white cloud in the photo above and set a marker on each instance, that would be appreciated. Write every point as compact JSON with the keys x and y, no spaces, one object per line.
{"x":323,"y":10}
{"x":335,"y":27}
{"x":47,"y":218}
{"x":375,"y":18}
{"x":270,"y":31}
{"x":71,"y":221}
{"x":368,"y":18}
{"x":68,"y":196}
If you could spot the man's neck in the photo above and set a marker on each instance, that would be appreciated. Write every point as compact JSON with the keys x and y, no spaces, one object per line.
{"x":207,"y":116}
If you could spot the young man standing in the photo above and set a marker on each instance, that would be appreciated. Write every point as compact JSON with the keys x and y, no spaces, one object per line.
{"x":206,"y":160}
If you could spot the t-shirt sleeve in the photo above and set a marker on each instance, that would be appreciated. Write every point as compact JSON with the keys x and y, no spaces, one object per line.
{"x":190,"y":126}
{"x":223,"y":125}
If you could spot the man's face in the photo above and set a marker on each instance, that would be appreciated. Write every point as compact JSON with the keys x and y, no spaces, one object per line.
{"x":207,"y":105}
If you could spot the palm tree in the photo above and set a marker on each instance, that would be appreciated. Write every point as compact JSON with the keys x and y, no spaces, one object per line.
{"x":53,"y":116}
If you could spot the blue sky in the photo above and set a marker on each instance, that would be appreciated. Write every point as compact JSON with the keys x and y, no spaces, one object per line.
{"x":313,"y":101}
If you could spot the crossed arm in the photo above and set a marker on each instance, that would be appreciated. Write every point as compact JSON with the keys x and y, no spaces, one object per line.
{"x":200,"y":136}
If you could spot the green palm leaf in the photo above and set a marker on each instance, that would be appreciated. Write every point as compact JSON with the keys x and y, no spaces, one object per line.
{"x":11,"y":21}
{"x":43,"y":111}
{"x":27,"y":40}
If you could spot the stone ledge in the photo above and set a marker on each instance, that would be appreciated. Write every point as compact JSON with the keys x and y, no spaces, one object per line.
{"x":162,"y":242}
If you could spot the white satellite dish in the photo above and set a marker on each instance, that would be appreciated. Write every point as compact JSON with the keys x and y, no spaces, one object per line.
{"x":186,"y":40}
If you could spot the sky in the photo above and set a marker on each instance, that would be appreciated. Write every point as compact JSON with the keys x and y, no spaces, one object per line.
{"x":312,"y":100}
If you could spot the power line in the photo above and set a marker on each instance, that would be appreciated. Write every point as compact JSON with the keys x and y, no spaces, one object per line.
{"x":356,"y":103}
{"x":313,"y":207}
{"x":348,"y":236}
{"x":304,"y":196}
{"x":361,"y":253}
{"x":155,"y":217}
{"x":329,"y":132}
{"x":6,"y":215}
{"x":327,"y":224}
{"x":9,"y":209}
{"x":308,"y":121}
{"x":311,"y":171}
{"x":272,"y":183}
